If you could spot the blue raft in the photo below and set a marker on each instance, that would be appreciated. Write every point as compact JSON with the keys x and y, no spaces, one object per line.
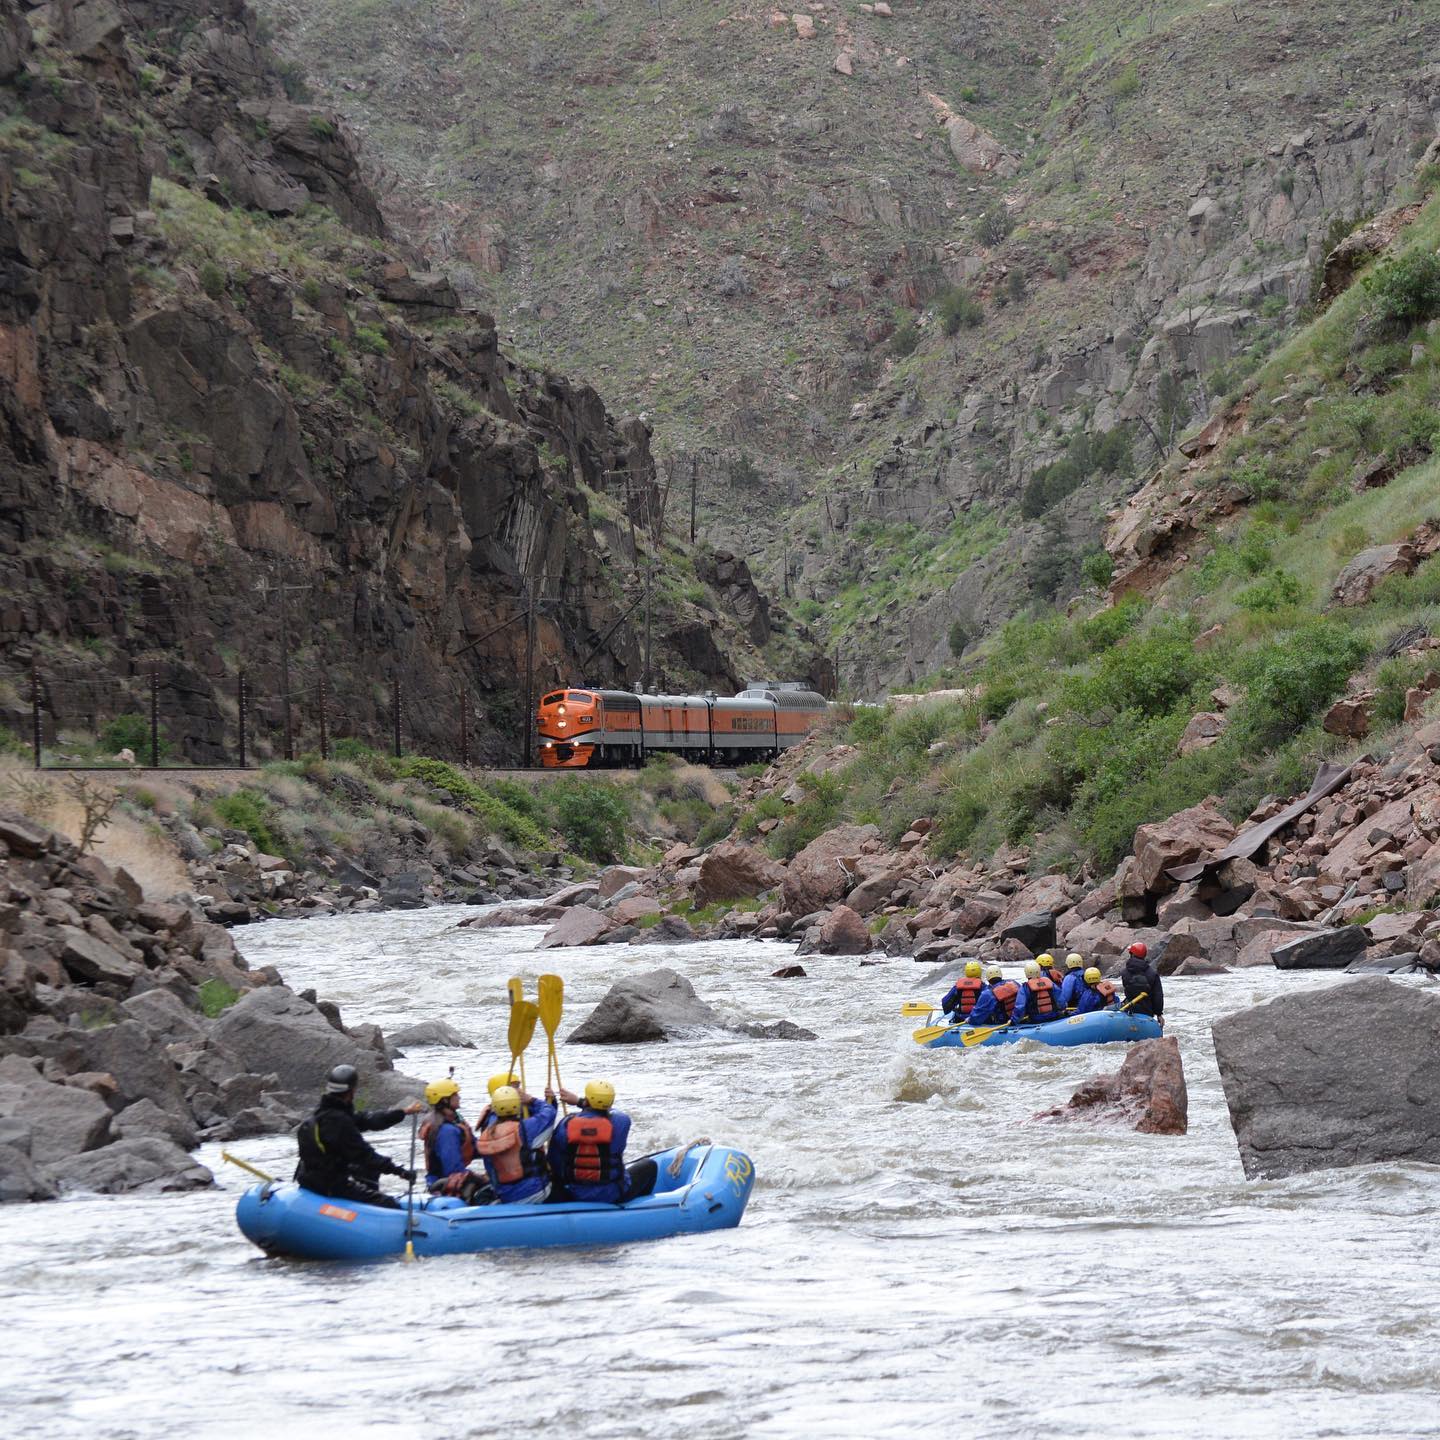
{"x":1099,"y":1027}
{"x":709,"y":1193}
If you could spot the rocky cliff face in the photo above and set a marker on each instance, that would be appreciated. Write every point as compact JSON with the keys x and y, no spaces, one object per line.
{"x":230,"y":400}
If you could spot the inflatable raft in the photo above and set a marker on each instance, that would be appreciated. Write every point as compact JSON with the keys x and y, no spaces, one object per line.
{"x":1099,"y":1027}
{"x":709,"y":1193}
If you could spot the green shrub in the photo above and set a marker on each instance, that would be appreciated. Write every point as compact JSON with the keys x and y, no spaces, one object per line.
{"x":372,"y":339}
{"x":1257,"y":547}
{"x":1289,"y":679}
{"x":1110,"y":452}
{"x":1127,"y":83}
{"x":810,"y":817}
{"x":490,"y":808}
{"x":251,"y":812}
{"x":957,"y":309}
{"x":216,"y":997}
{"x":1276,"y":591}
{"x":906,"y":336}
{"x":1098,"y":568}
{"x":322,"y":128}
{"x":1392,"y":680}
{"x":1108,"y":627}
{"x":1406,"y":290}
{"x":212,"y":279}
{"x":592,"y":818}
{"x":131,"y":732}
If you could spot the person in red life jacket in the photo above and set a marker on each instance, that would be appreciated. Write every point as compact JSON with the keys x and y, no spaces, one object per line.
{"x":962,"y":995}
{"x":1039,"y":998}
{"x":587,"y":1155}
{"x":1141,"y":978}
{"x":1095,"y":993}
{"x":448,"y":1140}
{"x":1050,"y":969}
{"x":510,"y":1145}
{"x":997,"y":1000}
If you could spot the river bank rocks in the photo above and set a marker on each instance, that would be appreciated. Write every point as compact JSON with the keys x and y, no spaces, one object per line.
{"x":130,"y":1030}
{"x":1335,"y":1077}
{"x":662,"y":1005}
{"x":1147,"y":1093}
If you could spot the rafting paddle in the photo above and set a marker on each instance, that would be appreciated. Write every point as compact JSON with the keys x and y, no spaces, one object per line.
{"x":975,"y":1037}
{"x":551,"y":991}
{"x":523,"y":1016}
{"x":246,"y":1165}
{"x":917,"y":1007}
{"x":410,"y":1195}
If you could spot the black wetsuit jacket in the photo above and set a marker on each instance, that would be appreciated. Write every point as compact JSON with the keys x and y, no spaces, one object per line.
{"x":1141,"y":976}
{"x":334,"y":1156}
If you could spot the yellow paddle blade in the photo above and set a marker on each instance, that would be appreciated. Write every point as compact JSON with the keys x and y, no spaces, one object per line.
{"x":551,"y":990}
{"x":516,"y":987}
{"x":974,"y":1037}
{"x":926,"y":1033}
{"x":523,"y":1016}
{"x":917,"y":1007}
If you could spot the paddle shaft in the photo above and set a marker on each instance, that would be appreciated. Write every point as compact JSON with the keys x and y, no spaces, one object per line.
{"x":246,"y":1165}
{"x":410,"y":1194}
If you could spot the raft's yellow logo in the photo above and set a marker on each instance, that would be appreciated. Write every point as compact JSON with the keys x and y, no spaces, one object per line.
{"x":738,"y":1171}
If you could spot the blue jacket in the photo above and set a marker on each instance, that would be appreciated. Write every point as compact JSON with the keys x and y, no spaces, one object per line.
{"x":447,"y":1154}
{"x":1090,"y":999}
{"x":1070,"y":990}
{"x":1026,"y":1012}
{"x":534,"y":1132}
{"x":606,"y":1192}
{"x":987,"y":1009}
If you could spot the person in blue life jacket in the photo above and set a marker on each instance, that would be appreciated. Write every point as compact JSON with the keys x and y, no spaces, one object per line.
{"x":587,"y":1155}
{"x":510,"y":1144}
{"x":1039,"y":998}
{"x":1050,"y":969}
{"x":448,"y":1139}
{"x":1074,"y":979}
{"x":997,"y":1000}
{"x":960,"y":999}
{"x":1095,"y":993}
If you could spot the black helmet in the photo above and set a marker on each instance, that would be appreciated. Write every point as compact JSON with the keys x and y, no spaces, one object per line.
{"x":341,"y":1079}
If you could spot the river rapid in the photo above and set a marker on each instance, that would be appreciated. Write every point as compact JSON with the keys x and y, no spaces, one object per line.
{"x":915,"y":1252}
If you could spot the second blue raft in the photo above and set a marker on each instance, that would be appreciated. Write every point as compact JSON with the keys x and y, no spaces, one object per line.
{"x":1099,"y":1027}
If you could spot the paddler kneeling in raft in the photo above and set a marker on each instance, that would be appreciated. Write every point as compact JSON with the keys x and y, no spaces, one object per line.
{"x":996,"y":1003}
{"x":1074,"y":979}
{"x":587,"y":1155}
{"x":449,"y":1143}
{"x":1050,"y":969}
{"x":1039,"y":998}
{"x":960,"y":1000}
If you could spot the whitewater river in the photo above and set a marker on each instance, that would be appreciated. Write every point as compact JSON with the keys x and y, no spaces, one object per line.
{"x":916,"y":1254}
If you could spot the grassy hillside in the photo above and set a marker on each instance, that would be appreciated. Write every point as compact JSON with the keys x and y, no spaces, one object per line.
{"x":1070,"y":739}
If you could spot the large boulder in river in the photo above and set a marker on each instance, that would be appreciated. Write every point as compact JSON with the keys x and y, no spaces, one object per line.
{"x":430,"y":1032}
{"x":63,"y":1120}
{"x":1147,"y":1093}
{"x":649,"y":1007}
{"x":578,"y":926}
{"x":815,"y":879}
{"x":661,"y":1005}
{"x":841,"y":932}
{"x":148,"y":1163}
{"x":1323,"y":950}
{"x":735,"y":872}
{"x":274,"y":1031}
{"x":1343,"y":1076}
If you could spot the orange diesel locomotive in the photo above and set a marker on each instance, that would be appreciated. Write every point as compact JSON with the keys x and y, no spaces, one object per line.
{"x":597,"y":728}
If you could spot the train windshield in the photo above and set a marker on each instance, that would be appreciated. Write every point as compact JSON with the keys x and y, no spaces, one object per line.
{"x":577,"y":697}
{"x":554,"y":699}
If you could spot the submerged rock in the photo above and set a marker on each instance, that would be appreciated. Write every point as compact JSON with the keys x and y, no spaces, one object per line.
{"x":659,"y":1006}
{"x":1335,"y":1077}
{"x":430,"y":1032}
{"x":147,"y":1163}
{"x":1147,"y":1093}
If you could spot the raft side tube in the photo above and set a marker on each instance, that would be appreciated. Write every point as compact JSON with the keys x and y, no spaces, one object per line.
{"x":1099,"y":1027}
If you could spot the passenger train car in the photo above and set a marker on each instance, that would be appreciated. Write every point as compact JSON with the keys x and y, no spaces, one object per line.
{"x":596,"y":728}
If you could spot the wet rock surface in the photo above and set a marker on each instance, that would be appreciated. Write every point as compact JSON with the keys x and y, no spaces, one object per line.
{"x":1147,"y":1093}
{"x":662,"y":1005}
{"x":1335,"y":1077}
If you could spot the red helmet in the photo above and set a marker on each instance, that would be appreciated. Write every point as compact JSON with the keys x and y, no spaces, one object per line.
{"x":1138,"y":950}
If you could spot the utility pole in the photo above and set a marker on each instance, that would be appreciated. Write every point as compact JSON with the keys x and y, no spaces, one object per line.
{"x":464,"y":729}
{"x":285,"y":673}
{"x":649,"y":588}
{"x":694,"y":486}
{"x":528,"y":721}
{"x":324,"y":737}
{"x":35,"y":709}
{"x":155,"y":716}
{"x":242,"y":701}
{"x":395,"y":710}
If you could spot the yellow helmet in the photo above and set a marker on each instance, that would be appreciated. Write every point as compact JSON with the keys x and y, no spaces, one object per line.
{"x":1074,"y":961}
{"x":1045,"y":961}
{"x":994,"y":973}
{"x":599,"y":1094}
{"x":1032,"y":969}
{"x":1092,"y":976}
{"x":505,"y":1102}
{"x":505,"y":1077}
{"x":438,"y":1090}
{"x":972,"y":969}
